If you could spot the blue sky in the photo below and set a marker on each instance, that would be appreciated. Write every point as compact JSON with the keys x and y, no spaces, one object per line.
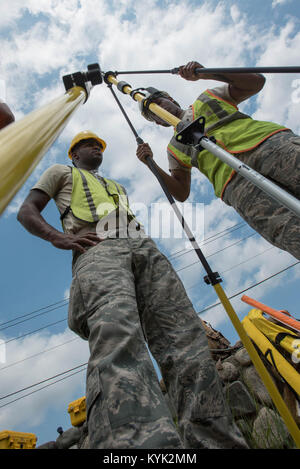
{"x":44,"y":40}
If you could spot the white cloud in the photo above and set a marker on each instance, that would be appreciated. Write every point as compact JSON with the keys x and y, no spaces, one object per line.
{"x":276,"y":3}
{"x":8,"y":15}
{"x":27,"y":371}
{"x":235,"y":13}
{"x":276,"y":101}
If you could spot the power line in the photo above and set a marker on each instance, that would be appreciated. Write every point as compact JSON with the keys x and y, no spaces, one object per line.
{"x":54,"y":323}
{"x":216,"y":252}
{"x":205,"y":309}
{"x":32,"y":312}
{"x":185,"y":267}
{"x":247,"y":260}
{"x":43,"y":387}
{"x":77,"y":338}
{"x":209,"y":240}
{"x":65,"y":300}
{"x":39,"y":353}
{"x":41,"y":382}
{"x":36,"y":330}
{"x":33,"y":317}
{"x":237,"y":265}
{"x":249,"y":288}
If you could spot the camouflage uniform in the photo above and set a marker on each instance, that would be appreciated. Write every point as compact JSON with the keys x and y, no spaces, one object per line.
{"x":278,"y":159}
{"x":125,"y":294}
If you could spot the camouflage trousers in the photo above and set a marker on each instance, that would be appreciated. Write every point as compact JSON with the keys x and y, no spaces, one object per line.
{"x":278,"y":159}
{"x":124,"y":297}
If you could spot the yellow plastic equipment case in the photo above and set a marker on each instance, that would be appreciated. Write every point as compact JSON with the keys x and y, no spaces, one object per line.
{"x":17,"y":440}
{"x":77,"y":411}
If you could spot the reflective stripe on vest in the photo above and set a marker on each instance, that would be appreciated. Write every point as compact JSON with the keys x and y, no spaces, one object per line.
{"x":234,"y":131}
{"x":91,"y":200}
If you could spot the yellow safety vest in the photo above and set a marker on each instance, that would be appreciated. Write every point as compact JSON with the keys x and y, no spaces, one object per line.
{"x":234,"y":131}
{"x":93,"y":199}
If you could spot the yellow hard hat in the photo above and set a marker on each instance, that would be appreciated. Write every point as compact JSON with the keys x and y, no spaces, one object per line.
{"x":86,"y":134}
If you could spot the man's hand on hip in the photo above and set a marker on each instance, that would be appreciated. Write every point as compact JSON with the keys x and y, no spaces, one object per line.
{"x":77,"y":242}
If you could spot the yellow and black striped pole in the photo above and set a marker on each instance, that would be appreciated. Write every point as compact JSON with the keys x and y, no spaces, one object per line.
{"x":261,"y":369}
{"x":23,"y":143}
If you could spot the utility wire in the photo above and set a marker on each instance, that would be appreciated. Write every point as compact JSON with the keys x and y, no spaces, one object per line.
{"x":237,"y":265}
{"x":77,"y":338}
{"x":43,"y":387}
{"x":185,"y":267}
{"x":247,"y":260}
{"x":32,"y":332}
{"x":209,"y":240}
{"x":38,"y":354}
{"x":37,"y":330}
{"x":43,"y":381}
{"x":32,"y":312}
{"x":202,"y":311}
{"x":65,"y":300}
{"x":216,"y":252}
{"x":249,"y":288}
{"x":32,"y":317}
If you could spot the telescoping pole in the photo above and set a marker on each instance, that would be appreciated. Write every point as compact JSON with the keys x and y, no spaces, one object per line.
{"x":213,"y":278}
{"x":23,"y":143}
{"x":276,"y":192}
{"x":174,"y":71}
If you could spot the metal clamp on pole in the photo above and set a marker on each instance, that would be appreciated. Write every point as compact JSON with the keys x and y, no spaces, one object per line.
{"x":140,"y":91}
{"x":151,"y":95}
{"x":107,"y":76}
{"x":85,"y":80}
{"x":191,"y":134}
{"x":213,"y":278}
{"x":110,"y":78}
{"x":121,"y":86}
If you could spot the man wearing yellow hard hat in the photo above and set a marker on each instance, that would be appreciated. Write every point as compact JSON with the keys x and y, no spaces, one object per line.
{"x":85,"y":135}
{"x":124,"y":296}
